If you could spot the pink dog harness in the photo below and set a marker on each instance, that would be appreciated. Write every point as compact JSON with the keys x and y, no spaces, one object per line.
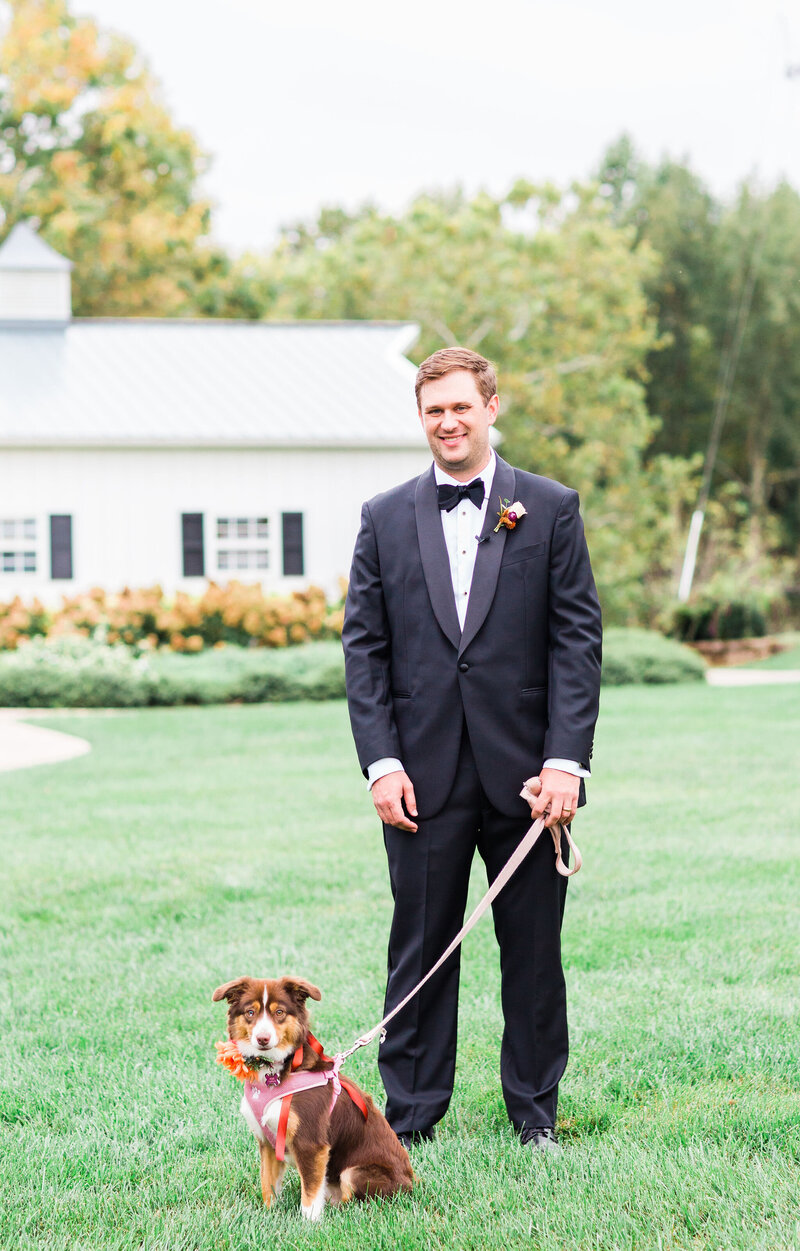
{"x":261,"y":1098}
{"x":261,"y":1095}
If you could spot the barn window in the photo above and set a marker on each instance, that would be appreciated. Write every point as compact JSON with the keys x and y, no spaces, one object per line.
{"x":18,"y":550}
{"x":242,"y":543}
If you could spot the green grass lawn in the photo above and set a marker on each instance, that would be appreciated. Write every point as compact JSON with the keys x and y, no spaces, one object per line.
{"x":193,"y":845}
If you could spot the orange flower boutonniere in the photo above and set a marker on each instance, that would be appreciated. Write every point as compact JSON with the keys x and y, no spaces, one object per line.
{"x":510,"y":514}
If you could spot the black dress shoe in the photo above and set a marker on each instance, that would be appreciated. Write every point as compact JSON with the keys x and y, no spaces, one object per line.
{"x":541,"y":1138}
{"x":413,"y":1137}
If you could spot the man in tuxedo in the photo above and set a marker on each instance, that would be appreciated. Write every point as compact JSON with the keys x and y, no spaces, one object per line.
{"x":472,"y":651}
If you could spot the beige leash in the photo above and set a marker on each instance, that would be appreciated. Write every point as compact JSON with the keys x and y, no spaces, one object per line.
{"x":506,"y":873}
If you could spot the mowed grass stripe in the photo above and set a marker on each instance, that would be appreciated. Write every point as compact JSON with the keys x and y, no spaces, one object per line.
{"x":195,"y":844}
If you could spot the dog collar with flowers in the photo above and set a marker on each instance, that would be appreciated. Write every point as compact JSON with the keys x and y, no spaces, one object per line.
{"x":231,"y":1058}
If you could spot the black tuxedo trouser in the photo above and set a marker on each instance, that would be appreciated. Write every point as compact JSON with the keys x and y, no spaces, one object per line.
{"x":429,"y":874}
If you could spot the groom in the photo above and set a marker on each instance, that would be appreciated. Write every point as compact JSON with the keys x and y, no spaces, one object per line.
{"x":472,"y":650}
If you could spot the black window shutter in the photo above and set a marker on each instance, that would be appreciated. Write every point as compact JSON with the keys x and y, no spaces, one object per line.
{"x":293,"y":564}
{"x":194,"y":564}
{"x":61,"y":545}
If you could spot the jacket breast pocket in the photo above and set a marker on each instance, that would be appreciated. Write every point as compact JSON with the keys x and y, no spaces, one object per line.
{"x":523,"y":553}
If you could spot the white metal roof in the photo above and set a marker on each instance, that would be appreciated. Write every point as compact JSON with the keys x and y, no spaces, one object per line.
{"x":135,"y":382}
{"x":23,"y":249}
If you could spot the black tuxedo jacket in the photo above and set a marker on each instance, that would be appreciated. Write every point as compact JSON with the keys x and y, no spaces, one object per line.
{"x":525,"y":670}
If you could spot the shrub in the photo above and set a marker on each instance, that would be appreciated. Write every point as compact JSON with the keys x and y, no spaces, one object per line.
{"x":74,"y":672}
{"x":631,"y":656}
{"x":251,"y":676}
{"x":19,"y":622}
{"x":234,"y":613}
{"x":706,"y":619}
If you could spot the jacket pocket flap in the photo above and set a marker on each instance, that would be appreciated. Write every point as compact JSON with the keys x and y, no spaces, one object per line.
{"x":522,"y":553}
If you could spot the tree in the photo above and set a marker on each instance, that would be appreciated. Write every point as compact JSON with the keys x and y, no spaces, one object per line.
{"x":88,"y":149}
{"x":720,"y":265}
{"x":760,"y":246}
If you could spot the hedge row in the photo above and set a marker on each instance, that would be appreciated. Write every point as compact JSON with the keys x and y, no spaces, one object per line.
{"x":75,"y":672}
{"x":233,"y":613}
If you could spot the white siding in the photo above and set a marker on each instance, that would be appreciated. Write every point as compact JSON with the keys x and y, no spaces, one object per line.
{"x":33,"y":296}
{"x":126,"y":506}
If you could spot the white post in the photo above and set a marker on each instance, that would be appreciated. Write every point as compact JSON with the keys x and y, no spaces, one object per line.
{"x":690,"y":555}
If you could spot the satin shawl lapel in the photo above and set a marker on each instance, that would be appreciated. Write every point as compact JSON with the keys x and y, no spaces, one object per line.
{"x":435,"y":562}
{"x":490,"y":552}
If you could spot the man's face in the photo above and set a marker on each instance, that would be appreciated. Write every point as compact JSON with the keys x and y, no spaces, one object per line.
{"x":456,"y":423}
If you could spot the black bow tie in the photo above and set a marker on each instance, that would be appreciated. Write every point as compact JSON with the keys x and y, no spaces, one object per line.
{"x":450,"y":496}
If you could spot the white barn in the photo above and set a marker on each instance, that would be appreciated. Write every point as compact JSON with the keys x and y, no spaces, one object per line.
{"x":136,"y":451}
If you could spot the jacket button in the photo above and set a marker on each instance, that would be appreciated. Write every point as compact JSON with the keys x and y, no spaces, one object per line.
{"x":464,"y":667}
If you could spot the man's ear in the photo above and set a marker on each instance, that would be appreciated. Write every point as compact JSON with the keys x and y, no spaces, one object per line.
{"x":229,"y":990}
{"x":300,"y":989}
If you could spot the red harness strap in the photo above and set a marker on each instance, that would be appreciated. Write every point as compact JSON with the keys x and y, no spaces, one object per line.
{"x":286,"y":1103}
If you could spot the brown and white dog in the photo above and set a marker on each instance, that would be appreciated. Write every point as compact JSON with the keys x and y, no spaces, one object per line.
{"x":341,"y":1152}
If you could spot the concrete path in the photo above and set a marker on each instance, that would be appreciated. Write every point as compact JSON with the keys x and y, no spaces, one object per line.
{"x":752,"y":677}
{"x":23,"y":745}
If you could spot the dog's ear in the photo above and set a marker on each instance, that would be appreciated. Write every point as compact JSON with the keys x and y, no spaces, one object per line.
{"x":229,"y":990}
{"x":300,"y":989}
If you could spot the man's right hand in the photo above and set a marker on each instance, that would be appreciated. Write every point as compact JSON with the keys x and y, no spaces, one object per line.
{"x":388,"y":795}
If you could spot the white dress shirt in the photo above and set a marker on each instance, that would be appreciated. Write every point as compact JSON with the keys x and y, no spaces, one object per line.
{"x":462,"y":528}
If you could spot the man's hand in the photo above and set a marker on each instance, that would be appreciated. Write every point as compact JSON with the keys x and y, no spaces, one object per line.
{"x":388,"y":794}
{"x":557,"y":796}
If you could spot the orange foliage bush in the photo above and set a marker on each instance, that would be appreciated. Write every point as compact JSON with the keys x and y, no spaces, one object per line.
{"x":234,"y":613}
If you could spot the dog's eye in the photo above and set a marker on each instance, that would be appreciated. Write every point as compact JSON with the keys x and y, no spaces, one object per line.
{"x":279,"y":1012}
{"x":249,"y":1014}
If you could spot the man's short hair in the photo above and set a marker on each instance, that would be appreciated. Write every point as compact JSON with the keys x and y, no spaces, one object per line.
{"x":447,"y":359}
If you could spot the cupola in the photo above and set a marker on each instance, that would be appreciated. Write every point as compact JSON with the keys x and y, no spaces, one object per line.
{"x":35,"y":281}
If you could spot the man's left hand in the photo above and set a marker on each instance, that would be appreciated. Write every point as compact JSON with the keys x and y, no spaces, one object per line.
{"x":557,"y":800}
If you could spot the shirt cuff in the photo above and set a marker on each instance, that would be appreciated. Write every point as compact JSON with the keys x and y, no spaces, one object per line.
{"x":379,"y":769}
{"x":567,"y":766}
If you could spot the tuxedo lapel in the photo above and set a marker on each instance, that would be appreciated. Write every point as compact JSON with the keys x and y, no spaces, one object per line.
{"x":435,"y":562}
{"x":490,"y":552}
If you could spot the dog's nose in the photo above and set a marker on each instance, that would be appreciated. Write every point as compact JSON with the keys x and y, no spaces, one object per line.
{"x":262,"y":1042}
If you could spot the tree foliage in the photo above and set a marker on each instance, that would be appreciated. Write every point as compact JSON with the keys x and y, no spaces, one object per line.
{"x":722,"y":265}
{"x":87,"y":148}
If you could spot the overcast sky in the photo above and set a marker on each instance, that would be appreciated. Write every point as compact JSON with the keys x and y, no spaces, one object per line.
{"x":304,"y":104}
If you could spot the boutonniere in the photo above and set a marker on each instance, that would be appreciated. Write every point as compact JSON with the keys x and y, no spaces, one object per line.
{"x":510,"y":514}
